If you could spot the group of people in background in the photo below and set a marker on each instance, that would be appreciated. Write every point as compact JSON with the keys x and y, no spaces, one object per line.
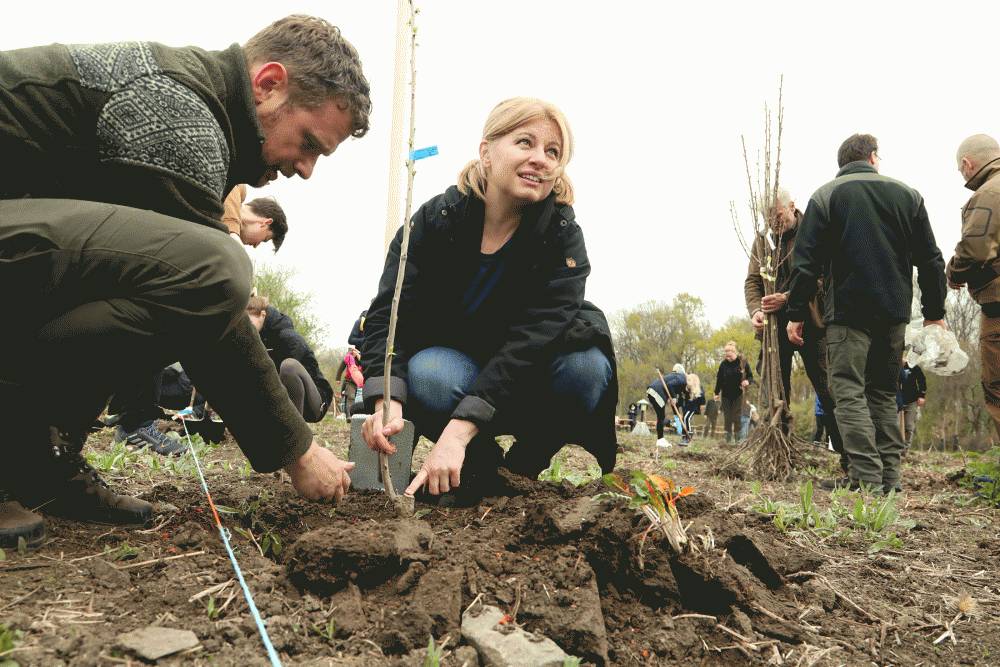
{"x":842,"y":292}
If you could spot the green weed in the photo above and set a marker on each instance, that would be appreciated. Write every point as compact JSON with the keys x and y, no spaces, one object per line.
{"x":123,"y":551}
{"x":212,"y":608}
{"x":558,"y":472}
{"x":983,"y":475}
{"x":434,"y":654}
{"x":9,"y":637}
{"x":326,"y":631}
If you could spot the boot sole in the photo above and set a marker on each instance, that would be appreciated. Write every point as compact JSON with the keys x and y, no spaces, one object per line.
{"x":32,"y":538}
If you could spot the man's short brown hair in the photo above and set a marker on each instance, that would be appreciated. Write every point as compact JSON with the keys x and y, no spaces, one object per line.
{"x":321,"y":64}
{"x":267,"y":207}
{"x":856,"y":147}
{"x":258,"y":304}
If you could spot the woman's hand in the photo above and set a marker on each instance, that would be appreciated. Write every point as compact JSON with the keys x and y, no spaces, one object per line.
{"x":376,"y":434}
{"x":442,"y":470}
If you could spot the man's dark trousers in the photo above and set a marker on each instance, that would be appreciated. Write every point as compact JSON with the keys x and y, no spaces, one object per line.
{"x":863,"y":368}
{"x":814,"y":360}
{"x":104,"y":294}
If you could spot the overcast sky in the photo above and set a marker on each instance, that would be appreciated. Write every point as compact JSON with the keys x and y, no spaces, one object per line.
{"x":657,"y":95}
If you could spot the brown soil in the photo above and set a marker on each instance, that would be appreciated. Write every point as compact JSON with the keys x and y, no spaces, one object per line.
{"x":560,"y":563}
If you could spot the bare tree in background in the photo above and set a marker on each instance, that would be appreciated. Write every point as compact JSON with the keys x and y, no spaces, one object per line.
{"x":769,"y":452}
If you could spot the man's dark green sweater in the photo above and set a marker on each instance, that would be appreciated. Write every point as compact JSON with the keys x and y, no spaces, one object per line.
{"x":153,"y":127}
{"x":864,"y":233}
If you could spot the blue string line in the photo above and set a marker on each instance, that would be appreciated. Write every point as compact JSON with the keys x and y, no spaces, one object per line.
{"x":271,"y":653}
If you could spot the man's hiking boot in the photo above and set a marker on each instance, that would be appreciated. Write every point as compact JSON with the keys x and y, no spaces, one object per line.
{"x":65,"y":485}
{"x":17,"y":523}
{"x":149,"y":436}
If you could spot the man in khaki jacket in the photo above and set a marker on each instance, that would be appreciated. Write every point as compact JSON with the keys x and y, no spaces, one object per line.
{"x":975,"y":263}
{"x":784,"y":224}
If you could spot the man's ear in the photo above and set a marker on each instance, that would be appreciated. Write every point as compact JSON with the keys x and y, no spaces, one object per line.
{"x":269,"y":82}
{"x":266,"y":222}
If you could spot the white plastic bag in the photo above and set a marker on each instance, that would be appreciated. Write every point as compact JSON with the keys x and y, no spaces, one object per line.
{"x":935,"y":350}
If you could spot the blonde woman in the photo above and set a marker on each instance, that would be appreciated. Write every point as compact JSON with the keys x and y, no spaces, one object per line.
{"x":494,"y":335}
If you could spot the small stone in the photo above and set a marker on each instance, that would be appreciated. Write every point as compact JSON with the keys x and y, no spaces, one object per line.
{"x":496,"y":649}
{"x":152,"y":642}
{"x":189,"y":536}
{"x":165,"y":508}
{"x":466,"y":656}
{"x":107,"y":574}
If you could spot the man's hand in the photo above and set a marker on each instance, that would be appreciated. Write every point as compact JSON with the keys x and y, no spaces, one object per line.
{"x":376,"y":435}
{"x":939,"y":323}
{"x":442,"y":471}
{"x":772,"y":303}
{"x":794,"y":331}
{"x":320,"y":475}
{"x":921,"y":401}
{"x":745,"y":384}
{"x":757,"y":320}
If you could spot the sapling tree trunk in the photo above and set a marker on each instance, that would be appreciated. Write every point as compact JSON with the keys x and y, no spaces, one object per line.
{"x":769,"y":451}
{"x":404,"y":504}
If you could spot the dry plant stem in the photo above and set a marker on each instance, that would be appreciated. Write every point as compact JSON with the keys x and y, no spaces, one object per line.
{"x":769,"y":452}
{"x":383,"y":459}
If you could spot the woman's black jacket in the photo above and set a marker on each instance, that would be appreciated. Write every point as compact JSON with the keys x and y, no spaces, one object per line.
{"x":284,"y":342}
{"x":534,"y":312}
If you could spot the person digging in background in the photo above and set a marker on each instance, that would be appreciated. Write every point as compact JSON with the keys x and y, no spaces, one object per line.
{"x":493,"y":330}
{"x":349,"y":374}
{"x":863,"y":233}
{"x":694,"y":401}
{"x":910,"y":395}
{"x":665,"y":399}
{"x":731,"y":381}
{"x":298,"y":370}
{"x":168,"y":131}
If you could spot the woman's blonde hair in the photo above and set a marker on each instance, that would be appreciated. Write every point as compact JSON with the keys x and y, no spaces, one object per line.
{"x":694,"y":385}
{"x":504,"y":119}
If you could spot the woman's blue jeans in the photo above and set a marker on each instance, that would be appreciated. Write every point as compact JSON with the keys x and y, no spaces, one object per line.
{"x":549,"y":410}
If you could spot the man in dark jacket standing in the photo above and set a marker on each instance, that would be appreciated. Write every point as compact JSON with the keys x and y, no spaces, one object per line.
{"x":864,"y":233}
{"x":86,"y":133}
{"x":732,"y":379}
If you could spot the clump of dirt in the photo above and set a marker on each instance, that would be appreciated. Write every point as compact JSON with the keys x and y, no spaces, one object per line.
{"x":562,"y":563}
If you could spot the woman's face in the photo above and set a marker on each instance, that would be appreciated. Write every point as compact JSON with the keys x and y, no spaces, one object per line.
{"x":730,"y":352}
{"x":520,"y":164}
